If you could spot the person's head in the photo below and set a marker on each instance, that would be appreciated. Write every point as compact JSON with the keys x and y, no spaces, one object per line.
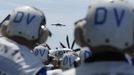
{"x":69,"y":60}
{"x":108,"y":24}
{"x":84,"y":54}
{"x":27,"y":23}
{"x":42,"y":53}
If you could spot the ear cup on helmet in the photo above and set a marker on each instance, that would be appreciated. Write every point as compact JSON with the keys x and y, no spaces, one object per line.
{"x":3,"y":28}
{"x":78,"y":33}
{"x":44,"y":33}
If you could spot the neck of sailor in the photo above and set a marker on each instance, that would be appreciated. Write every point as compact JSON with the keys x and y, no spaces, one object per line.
{"x":20,"y":40}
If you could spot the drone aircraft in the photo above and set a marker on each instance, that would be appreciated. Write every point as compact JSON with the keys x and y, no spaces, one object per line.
{"x":58,"y":24}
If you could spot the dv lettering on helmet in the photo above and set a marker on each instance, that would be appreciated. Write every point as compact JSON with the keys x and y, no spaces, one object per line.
{"x":39,"y":52}
{"x":102,"y":11}
{"x":86,"y":54}
{"x":21,"y":15}
{"x":66,"y":61}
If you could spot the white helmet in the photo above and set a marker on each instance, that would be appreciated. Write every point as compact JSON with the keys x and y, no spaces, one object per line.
{"x":26,"y":22}
{"x":109,"y":22}
{"x":67,"y":61}
{"x":41,"y":52}
{"x":84,"y":54}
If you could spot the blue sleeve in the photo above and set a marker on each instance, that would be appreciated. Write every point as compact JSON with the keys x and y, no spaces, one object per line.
{"x":42,"y":72}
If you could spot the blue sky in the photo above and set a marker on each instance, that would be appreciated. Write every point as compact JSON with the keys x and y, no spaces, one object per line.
{"x":56,"y":11}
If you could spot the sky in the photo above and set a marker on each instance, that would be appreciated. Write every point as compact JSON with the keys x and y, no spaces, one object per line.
{"x":56,"y":11}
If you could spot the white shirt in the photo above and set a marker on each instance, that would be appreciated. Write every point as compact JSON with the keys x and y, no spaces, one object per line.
{"x":16,"y":59}
{"x":54,"y":72}
{"x":102,"y":68}
{"x":103,"y":64}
